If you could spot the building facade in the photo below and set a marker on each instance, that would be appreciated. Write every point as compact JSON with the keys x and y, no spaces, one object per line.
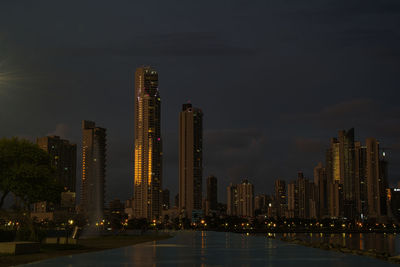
{"x":246,"y":199}
{"x":148,"y":145}
{"x":93,"y":171}
{"x":320,"y":181}
{"x":232,"y":200}
{"x":63,"y":159}
{"x":347,"y":170}
{"x":190,"y":159}
{"x":373,"y":173}
{"x":280,"y":198}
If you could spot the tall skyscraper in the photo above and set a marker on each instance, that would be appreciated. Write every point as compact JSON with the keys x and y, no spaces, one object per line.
{"x":341,"y":176}
{"x":190,"y":159}
{"x":63,"y":158}
{"x":246,"y":199}
{"x":93,"y":170}
{"x":383,"y":183}
{"x":361,"y":189}
{"x":280,"y":198}
{"x":148,"y":145}
{"x":347,"y":170}
{"x":212,"y":194}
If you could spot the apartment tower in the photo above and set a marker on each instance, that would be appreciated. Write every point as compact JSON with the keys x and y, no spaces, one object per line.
{"x":190,"y":159}
{"x":93,"y":171}
{"x":148,"y":145}
{"x":63,"y":159}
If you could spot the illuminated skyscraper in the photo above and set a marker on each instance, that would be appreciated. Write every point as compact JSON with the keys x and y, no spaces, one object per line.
{"x":148,"y":145}
{"x":93,"y":170}
{"x":341,"y":176}
{"x":190,"y":159}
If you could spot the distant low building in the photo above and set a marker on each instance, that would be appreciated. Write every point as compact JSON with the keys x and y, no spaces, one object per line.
{"x":212,"y":195}
{"x":165,"y":199}
{"x":129,"y":208}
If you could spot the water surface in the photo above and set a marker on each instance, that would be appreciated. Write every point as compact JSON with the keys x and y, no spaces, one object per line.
{"x":215,"y":249}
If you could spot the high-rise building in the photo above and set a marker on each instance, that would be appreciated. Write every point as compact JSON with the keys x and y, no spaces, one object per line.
{"x":307,"y":195}
{"x":190,"y":159}
{"x":293,"y":200}
{"x":246,"y":199}
{"x":232,"y":200}
{"x":333,"y":162}
{"x":383,"y":183}
{"x":63,"y":158}
{"x":347,"y":171}
{"x":373,"y":173}
{"x":148,"y":145}
{"x":361,"y":189}
{"x":212,"y":194}
{"x":320,"y":181}
{"x":93,"y":170}
{"x":280,"y":198}
{"x":394,"y":202}
{"x":341,"y":176}
{"x":333,"y":178}
{"x":302,"y":184}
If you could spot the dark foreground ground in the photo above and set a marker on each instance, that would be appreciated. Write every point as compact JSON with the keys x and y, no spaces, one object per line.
{"x":85,"y":245}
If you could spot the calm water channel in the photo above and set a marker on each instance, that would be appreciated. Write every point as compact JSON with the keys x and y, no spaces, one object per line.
{"x":380,"y":242}
{"x":215,"y":249}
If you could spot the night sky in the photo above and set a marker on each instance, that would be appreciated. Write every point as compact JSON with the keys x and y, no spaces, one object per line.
{"x":275,"y":79}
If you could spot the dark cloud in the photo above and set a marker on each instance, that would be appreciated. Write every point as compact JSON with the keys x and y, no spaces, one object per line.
{"x":359,"y":113}
{"x":177,"y":44}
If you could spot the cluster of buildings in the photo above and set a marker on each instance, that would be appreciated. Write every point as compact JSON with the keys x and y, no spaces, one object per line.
{"x":150,"y":199}
{"x":63,"y":155}
{"x":352,"y":184}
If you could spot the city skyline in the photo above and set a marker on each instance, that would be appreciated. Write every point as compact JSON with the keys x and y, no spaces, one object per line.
{"x":205,"y":133}
{"x":296,"y":77}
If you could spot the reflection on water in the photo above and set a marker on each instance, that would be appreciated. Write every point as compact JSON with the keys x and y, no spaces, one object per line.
{"x":361,"y":241}
{"x":221,"y":249}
